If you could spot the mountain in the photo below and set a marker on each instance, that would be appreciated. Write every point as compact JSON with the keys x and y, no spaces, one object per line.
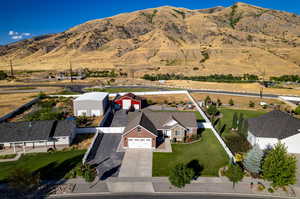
{"x":238,"y":39}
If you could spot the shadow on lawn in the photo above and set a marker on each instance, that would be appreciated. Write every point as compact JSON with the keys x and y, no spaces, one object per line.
{"x":56,"y":171}
{"x":196,"y":166}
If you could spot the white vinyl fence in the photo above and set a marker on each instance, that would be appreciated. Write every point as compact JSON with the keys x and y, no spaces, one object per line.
{"x":227,"y":150}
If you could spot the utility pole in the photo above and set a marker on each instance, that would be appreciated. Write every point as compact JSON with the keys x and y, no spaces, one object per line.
{"x":11,"y":68}
{"x":71,"y":71}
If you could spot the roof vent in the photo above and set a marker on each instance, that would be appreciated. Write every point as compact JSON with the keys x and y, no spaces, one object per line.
{"x":298,"y":130}
{"x":30,"y":125}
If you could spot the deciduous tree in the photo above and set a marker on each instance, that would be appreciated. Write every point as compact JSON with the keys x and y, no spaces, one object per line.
{"x":279,"y":167}
{"x":181,"y":175}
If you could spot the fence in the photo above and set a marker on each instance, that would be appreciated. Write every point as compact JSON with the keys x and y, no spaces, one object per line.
{"x":19,"y":110}
{"x":227,"y":150}
{"x":99,"y":130}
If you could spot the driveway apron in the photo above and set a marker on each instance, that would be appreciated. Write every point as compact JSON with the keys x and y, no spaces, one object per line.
{"x":137,"y":163}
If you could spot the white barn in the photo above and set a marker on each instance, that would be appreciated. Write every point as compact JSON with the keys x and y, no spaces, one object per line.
{"x":270,"y":128}
{"x":91,"y":104}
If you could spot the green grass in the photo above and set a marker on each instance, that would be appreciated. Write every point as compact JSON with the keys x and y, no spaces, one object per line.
{"x":228,"y":114}
{"x":50,"y":165}
{"x":9,"y":156}
{"x":207,"y":151}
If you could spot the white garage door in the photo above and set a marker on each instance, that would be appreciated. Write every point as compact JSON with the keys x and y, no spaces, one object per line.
{"x":141,"y":143}
{"x":126,"y":104}
{"x":95,"y":112}
{"x":136,"y":106}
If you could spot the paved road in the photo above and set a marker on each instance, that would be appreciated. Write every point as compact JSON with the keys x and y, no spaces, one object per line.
{"x":163,"y":196}
{"x":79,"y":88}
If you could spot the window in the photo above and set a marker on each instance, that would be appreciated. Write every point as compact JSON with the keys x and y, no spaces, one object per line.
{"x":177,"y":132}
{"x":139,"y":129}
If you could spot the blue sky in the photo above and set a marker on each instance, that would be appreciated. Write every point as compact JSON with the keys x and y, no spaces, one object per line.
{"x":21,"y":19}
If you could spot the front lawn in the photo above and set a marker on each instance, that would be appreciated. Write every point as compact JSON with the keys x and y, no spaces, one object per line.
{"x":207,"y":151}
{"x":50,"y":165}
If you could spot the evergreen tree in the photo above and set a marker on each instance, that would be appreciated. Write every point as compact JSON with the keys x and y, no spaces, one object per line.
{"x":279,"y":167}
{"x":245,"y":128}
{"x":253,"y":160}
{"x":207,"y":100}
{"x":234,"y":121}
{"x":181,"y":175}
{"x":234,"y":173}
{"x":241,"y":123}
{"x":231,"y":102}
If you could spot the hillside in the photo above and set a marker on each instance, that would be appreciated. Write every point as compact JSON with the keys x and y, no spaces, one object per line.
{"x":238,"y":39}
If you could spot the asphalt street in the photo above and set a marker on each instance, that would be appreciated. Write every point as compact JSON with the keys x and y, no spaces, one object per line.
{"x":162,"y":196}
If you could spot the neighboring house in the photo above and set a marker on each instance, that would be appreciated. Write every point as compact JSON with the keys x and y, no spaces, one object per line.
{"x":146,"y":128}
{"x":272,"y":127}
{"x":91,"y":104}
{"x":49,"y":134}
{"x":129,"y":101}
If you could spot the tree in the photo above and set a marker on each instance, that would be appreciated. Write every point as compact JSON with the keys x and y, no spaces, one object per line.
{"x":207,"y":100}
{"x":234,"y":173}
{"x":245,"y":127}
{"x":253,"y":160}
{"x":297,"y":110}
{"x":234,"y":121}
{"x":181,"y":175}
{"x":219,"y":103}
{"x":231,"y":102}
{"x":279,"y":167}
{"x":212,"y":110}
{"x":240,"y":123}
{"x":23,"y":180}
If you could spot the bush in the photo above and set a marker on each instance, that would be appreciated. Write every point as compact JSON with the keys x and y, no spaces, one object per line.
{"x":181,"y":175}
{"x":260,"y":186}
{"x":251,"y":104}
{"x":231,"y":102}
{"x":270,"y":190}
{"x":297,"y":110}
{"x":195,"y":68}
{"x":3,"y":75}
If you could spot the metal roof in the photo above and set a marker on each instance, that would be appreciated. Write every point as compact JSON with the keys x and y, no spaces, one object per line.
{"x":95,"y":96}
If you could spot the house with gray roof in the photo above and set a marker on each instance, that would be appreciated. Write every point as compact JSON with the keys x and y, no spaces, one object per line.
{"x":146,"y":127}
{"x":270,"y":128}
{"x":47,"y":134}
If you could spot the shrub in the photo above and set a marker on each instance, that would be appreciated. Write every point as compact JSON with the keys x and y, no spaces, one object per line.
{"x":3,"y":75}
{"x":270,"y":190}
{"x":212,"y":110}
{"x":195,"y":68}
{"x":181,"y":175}
{"x":219,"y":102}
{"x":260,"y":186}
{"x":297,"y":110}
{"x":231,"y":102}
{"x":251,"y":104}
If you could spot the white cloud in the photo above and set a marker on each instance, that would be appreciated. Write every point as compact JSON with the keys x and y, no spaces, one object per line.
{"x":17,"y":37}
{"x":26,"y":34}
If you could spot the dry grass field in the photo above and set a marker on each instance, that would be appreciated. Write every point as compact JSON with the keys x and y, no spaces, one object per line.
{"x":9,"y":102}
{"x":235,"y":87}
{"x":240,"y":102}
{"x":161,"y":99}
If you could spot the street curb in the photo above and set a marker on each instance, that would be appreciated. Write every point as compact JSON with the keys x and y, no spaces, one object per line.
{"x":169,"y":193}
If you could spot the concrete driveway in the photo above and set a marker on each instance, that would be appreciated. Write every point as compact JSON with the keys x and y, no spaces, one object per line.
{"x":137,"y":163}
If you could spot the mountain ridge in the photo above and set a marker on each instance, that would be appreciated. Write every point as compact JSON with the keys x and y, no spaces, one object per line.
{"x":238,"y":39}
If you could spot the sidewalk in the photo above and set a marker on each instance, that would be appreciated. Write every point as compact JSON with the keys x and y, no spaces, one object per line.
{"x":211,"y":185}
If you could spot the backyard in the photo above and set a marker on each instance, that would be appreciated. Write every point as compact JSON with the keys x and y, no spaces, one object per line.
{"x":207,"y":151}
{"x":50,"y":165}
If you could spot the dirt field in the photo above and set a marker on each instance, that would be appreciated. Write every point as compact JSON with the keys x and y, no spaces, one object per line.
{"x":236,"y":87}
{"x":161,"y":99}
{"x":240,"y":102}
